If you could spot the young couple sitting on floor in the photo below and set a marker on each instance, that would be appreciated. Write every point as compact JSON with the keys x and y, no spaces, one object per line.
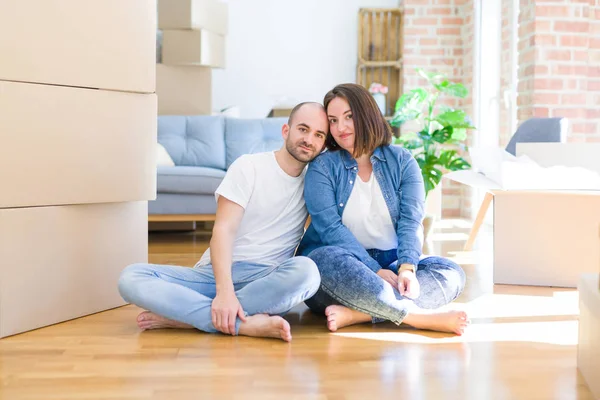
{"x":359,"y":261}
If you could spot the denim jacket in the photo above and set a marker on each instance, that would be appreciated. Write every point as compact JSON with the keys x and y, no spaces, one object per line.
{"x":327,"y":186}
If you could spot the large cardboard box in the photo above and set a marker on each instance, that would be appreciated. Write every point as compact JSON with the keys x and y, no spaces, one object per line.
{"x":193,"y":47}
{"x":60,"y":263}
{"x":64,"y":145}
{"x":106,"y":44}
{"x":542,"y":237}
{"x":183,"y":90}
{"x":588,"y":348}
{"x":212,"y":15}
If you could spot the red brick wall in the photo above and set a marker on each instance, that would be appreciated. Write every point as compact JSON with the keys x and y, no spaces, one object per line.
{"x":556,"y":61}
{"x":439,"y":36}
{"x":593,"y":83}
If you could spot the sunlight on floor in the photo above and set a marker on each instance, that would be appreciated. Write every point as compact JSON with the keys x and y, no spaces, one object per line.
{"x":554,"y":332}
{"x":493,"y":320}
{"x":513,"y":305}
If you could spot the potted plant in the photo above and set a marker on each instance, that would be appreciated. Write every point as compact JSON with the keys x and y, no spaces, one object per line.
{"x":439,"y":138}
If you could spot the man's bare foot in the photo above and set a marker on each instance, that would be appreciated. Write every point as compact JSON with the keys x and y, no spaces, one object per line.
{"x":149,"y":320}
{"x":263,"y":325}
{"x":340,"y":316}
{"x":448,"y":321}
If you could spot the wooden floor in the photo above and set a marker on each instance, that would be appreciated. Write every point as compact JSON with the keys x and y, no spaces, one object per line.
{"x":522,"y":345}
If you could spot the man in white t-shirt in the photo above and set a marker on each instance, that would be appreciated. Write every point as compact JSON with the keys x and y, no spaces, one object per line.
{"x":249,"y":276}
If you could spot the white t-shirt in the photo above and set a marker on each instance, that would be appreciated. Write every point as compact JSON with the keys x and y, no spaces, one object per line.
{"x":367,"y":216}
{"x":275,"y":212}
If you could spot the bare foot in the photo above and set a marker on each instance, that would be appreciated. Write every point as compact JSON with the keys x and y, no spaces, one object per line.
{"x":149,"y":320}
{"x":340,"y":316}
{"x":263,"y":325}
{"x":448,"y":321}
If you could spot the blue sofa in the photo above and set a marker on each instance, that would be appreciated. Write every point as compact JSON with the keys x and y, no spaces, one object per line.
{"x":202,"y":148}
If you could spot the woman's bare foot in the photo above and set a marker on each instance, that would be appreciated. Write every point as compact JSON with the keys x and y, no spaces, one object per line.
{"x":149,"y":320}
{"x":340,"y":316}
{"x":448,"y":321}
{"x":263,"y":325}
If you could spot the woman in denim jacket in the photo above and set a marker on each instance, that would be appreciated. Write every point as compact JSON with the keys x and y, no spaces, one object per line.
{"x":366,"y":201}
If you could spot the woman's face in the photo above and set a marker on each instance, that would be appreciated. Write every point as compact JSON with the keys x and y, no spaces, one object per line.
{"x":341,"y":124}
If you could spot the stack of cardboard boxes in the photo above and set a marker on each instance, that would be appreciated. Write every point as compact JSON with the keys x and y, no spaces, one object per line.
{"x":588,"y":348}
{"x":77,"y":161}
{"x":193,"y":42}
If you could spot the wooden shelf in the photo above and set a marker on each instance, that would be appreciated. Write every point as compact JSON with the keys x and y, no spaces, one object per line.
{"x":380,"y":51}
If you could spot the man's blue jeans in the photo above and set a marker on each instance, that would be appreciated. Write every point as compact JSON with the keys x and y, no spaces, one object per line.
{"x":186,"y":294}
{"x":347,"y":281}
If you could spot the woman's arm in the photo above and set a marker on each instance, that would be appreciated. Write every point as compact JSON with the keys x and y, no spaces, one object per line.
{"x":412,"y":211}
{"x":319,"y":194}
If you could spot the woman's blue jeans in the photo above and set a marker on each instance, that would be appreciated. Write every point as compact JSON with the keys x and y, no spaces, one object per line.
{"x":347,"y":281}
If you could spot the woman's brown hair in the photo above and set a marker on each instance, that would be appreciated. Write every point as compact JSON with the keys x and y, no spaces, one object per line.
{"x":371,"y":130}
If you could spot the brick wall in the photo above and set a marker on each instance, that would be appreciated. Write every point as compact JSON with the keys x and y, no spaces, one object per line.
{"x":558,"y":64}
{"x":438,"y":36}
{"x":593,"y":84}
{"x":506,"y":71}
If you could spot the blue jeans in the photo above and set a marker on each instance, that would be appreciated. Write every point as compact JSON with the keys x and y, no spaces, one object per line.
{"x":186,"y":294}
{"x":347,"y":281}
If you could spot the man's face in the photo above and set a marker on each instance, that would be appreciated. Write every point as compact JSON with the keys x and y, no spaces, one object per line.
{"x":305,"y":139}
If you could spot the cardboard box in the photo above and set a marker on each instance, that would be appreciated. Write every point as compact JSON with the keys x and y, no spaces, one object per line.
{"x":64,"y":145}
{"x":542,"y":237}
{"x":106,"y":44}
{"x":279,"y":112}
{"x":60,"y":263}
{"x":211,"y":15}
{"x":183,"y":90}
{"x":197,"y":47}
{"x":588,"y":348}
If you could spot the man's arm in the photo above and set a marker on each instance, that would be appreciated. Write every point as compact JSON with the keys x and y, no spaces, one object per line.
{"x":226,"y":306}
{"x":229,"y":216}
{"x":232,"y":195}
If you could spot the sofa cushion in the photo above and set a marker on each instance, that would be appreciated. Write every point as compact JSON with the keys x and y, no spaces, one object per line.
{"x":247,"y":136}
{"x":188,"y":180}
{"x":193,"y":140}
{"x":171,"y":203}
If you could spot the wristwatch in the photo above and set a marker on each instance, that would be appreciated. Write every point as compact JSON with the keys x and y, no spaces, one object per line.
{"x":407,"y":267}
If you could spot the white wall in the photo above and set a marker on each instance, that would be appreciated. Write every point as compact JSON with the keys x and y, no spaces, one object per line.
{"x":295,"y":49}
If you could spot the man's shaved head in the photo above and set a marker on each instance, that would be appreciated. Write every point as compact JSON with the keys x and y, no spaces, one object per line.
{"x":301,"y":105}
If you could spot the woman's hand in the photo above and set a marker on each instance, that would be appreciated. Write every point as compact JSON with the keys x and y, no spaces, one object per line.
{"x":388,"y":276}
{"x":408,"y":285}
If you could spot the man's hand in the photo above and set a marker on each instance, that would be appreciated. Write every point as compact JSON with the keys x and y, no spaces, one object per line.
{"x":408,"y":285}
{"x":388,"y":276}
{"x":225,"y":308}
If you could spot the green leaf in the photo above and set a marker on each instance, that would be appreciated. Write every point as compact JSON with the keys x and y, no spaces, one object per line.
{"x":432,"y":77}
{"x":459,"y":134}
{"x":458,"y":163}
{"x":454,"y":89}
{"x":451,"y":117}
{"x":446,"y":157}
{"x":412,"y":144}
{"x":442,"y":85}
{"x":424,"y":136}
{"x":442,"y":135}
{"x":456,"y":118}
{"x":431,"y":177}
{"x":411,"y":100}
{"x":409,"y":106}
